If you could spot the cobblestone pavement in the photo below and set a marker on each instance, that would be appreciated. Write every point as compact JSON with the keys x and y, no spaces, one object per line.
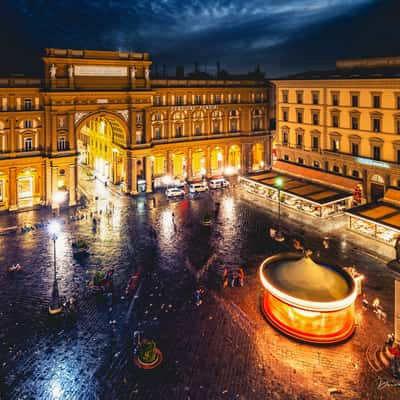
{"x":223,"y":349}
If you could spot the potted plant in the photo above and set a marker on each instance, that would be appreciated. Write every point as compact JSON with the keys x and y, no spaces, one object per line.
{"x":149,"y":356}
{"x":207,"y":219}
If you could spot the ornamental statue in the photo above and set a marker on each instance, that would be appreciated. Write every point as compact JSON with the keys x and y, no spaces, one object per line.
{"x":147,"y":73}
{"x":53,"y":71}
{"x":71,"y":71}
{"x":133,"y":73}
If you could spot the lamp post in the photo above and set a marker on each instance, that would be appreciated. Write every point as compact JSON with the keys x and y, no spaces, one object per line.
{"x":279,"y":236}
{"x":55,"y":306}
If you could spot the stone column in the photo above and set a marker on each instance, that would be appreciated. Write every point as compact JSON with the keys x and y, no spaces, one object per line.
{"x":12,"y":135}
{"x":53,"y":131}
{"x":148,"y":173}
{"x":72,"y":184}
{"x":72,"y":133}
{"x":169,"y":162}
{"x":147,"y":126}
{"x":189,"y":164}
{"x":132,"y":127}
{"x":134,"y":176}
{"x":43,"y":178}
{"x":12,"y":189}
{"x":225,"y":159}
{"x":208,"y":162}
{"x":244,"y":159}
{"x":54,"y":174}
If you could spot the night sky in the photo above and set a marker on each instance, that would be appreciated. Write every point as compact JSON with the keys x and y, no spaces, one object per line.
{"x":283,"y":36}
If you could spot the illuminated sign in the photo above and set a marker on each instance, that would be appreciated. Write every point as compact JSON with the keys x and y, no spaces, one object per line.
{"x":372,"y":163}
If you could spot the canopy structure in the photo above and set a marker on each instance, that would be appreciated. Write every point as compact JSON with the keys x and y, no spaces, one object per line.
{"x":305,"y":196}
{"x":306,"y":300}
{"x":380,"y":221}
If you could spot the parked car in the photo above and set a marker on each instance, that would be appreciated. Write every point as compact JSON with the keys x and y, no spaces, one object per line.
{"x":218,"y":183}
{"x":174,"y":192}
{"x":197,"y":187}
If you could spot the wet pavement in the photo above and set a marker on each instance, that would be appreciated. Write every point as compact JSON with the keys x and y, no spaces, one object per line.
{"x":223,"y":349}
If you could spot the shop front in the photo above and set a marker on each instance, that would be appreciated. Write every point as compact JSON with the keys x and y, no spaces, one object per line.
{"x":379,"y":221}
{"x":298,"y":194}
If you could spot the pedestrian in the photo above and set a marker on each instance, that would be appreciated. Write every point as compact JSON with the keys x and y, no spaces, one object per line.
{"x":390,"y":340}
{"x":154,"y":202}
{"x":225,"y":279}
{"x":325,"y":243}
{"x":272,"y":233}
{"x":365,"y":301}
{"x":241,"y":277}
{"x":234,"y":276}
{"x":197,"y":297}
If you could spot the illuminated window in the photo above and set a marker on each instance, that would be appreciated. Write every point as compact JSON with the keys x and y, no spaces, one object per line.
{"x":354,"y":149}
{"x":376,"y":153}
{"x":61,"y":144}
{"x":299,"y":97}
{"x":28,"y":144}
{"x":376,"y":100}
{"x":27,"y":104}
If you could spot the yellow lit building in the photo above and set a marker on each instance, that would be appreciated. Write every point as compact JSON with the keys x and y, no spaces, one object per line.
{"x":342,"y":127}
{"x":102,"y":108}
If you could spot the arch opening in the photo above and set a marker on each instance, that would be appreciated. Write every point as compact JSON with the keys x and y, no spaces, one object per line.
{"x":101,"y":139}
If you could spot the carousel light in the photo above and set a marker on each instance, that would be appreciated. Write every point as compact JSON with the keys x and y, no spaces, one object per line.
{"x":301,"y":304}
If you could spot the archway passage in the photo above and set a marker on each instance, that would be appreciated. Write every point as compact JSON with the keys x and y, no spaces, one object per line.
{"x":234,"y":157}
{"x":100,"y":143}
{"x":258,"y":157}
{"x":217,"y":161}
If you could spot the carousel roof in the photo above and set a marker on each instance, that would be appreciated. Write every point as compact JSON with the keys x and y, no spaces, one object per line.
{"x":304,"y":279}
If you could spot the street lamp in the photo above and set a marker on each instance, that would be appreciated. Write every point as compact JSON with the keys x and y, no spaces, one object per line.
{"x":55,"y":306}
{"x":279,"y":236}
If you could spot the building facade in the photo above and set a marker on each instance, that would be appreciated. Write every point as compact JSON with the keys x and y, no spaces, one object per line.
{"x":102,"y":108}
{"x":345,"y":123}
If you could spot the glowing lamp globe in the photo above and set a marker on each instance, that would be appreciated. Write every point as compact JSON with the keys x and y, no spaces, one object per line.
{"x":54,"y":228}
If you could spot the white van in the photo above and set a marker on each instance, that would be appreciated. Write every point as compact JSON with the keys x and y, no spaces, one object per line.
{"x":218,"y":183}
{"x":197,"y":187}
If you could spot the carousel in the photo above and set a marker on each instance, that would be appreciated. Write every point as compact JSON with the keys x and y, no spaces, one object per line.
{"x":306,"y":300}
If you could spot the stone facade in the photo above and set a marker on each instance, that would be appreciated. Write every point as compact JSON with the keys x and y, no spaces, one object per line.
{"x":104,"y":108}
{"x":344,"y":124}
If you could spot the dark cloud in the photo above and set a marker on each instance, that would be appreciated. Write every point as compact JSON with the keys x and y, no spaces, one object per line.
{"x":281,"y":35}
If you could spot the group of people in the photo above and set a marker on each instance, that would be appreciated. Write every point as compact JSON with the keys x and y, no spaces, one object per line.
{"x":376,"y":307}
{"x":233,"y":278}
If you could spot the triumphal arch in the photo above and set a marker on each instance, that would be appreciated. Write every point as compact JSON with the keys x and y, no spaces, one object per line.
{"x":105,"y":110}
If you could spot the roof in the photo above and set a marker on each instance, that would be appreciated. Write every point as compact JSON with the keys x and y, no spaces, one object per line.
{"x":310,"y":191}
{"x":382,"y":213}
{"x":346,"y":73}
{"x":305,"y":279}
{"x":341,"y":182}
